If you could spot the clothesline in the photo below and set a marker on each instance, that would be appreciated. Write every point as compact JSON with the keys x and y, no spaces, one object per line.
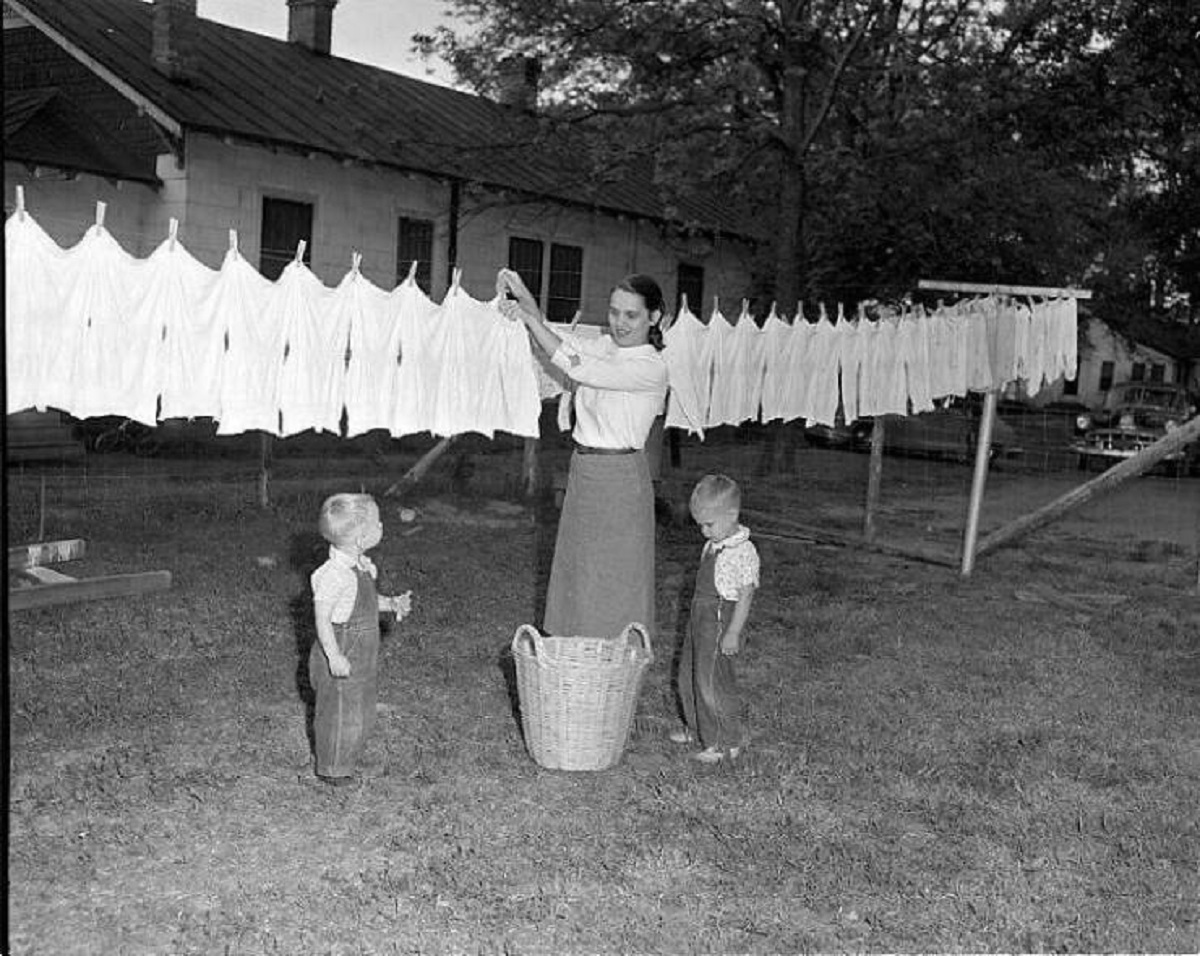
{"x":92,"y":330}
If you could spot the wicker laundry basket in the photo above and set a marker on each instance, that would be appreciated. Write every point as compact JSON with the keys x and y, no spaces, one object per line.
{"x":578,"y":695}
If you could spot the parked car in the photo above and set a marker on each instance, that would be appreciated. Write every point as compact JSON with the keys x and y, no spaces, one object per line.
{"x":1135,"y":415}
{"x":949,"y":432}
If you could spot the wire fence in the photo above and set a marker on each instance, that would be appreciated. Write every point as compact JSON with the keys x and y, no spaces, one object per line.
{"x":788,"y":479}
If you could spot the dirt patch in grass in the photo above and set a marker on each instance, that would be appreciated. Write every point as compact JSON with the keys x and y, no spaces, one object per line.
{"x":1001,"y":763}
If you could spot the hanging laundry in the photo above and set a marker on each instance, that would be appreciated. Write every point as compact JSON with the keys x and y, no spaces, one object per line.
{"x":747,"y":362}
{"x":193,"y":349}
{"x":37,"y":333}
{"x":793,"y":367}
{"x":722,"y":367}
{"x":250,"y":373}
{"x":817,"y":371}
{"x":312,"y":381}
{"x":684,"y":351}
{"x":777,"y":339}
{"x":417,"y":378}
{"x":374,"y":361}
{"x":914,"y":353}
{"x":116,"y":367}
{"x":852,"y":340}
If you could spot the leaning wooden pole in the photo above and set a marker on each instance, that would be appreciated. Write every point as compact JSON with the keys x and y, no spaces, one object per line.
{"x":417,"y":471}
{"x":1131,"y":467}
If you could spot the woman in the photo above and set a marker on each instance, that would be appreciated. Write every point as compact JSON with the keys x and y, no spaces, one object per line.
{"x":602,"y":577}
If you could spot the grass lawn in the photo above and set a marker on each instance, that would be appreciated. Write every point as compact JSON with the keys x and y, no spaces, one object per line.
{"x":1003,"y":763}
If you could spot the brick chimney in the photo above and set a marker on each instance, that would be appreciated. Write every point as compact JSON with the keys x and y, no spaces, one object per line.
{"x":176,"y":44}
{"x":310,"y":23}
{"x":517,"y":82}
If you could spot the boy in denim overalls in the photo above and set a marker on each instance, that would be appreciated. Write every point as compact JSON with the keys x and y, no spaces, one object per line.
{"x":728,"y":576}
{"x":343,"y":664}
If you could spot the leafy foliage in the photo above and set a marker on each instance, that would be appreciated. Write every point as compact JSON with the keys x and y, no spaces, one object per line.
{"x":879,"y":141}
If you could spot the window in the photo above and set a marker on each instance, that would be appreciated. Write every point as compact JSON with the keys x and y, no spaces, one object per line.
{"x":1138,"y":372}
{"x":525,"y":258}
{"x":1106,"y":376}
{"x":414,"y":243}
{"x":1158,"y":372}
{"x":566,"y":283}
{"x":689,"y":281}
{"x":284,"y":224}
{"x":561,"y":293}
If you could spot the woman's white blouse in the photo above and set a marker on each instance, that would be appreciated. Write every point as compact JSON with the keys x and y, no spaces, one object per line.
{"x":620,"y":390}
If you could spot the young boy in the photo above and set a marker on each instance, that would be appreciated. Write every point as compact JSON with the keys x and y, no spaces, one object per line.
{"x":343,"y":663}
{"x":725,"y":586}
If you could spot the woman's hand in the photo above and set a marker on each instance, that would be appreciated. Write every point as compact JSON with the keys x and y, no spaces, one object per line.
{"x":509,"y":282}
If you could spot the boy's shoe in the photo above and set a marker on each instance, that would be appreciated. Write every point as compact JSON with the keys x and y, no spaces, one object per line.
{"x":716,"y":754}
{"x":337,"y":781}
{"x":684,"y":736}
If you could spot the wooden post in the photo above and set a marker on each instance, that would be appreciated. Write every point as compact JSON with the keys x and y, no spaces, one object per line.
{"x":874,"y":478}
{"x":41,"y":535}
{"x":264,"y":471}
{"x":1145,"y":459}
{"x":529,"y":467}
{"x":983,"y":451}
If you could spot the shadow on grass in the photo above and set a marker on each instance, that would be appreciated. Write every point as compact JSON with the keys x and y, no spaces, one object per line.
{"x":306,"y":551}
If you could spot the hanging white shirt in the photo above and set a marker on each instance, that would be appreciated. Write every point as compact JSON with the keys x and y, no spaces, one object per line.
{"x":684,"y":351}
{"x":37,"y":333}
{"x":374,"y":359}
{"x":250,"y":375}
{"x":116,"y":370}
{"x":194,"y":338}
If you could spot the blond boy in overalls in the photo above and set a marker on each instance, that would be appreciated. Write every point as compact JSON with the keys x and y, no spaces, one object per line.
{"x":343,"y":665}
{"x":713,"y":710}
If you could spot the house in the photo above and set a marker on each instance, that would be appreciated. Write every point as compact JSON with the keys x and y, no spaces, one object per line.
{"x":1146,"y":351}
{"x":161,"y":114}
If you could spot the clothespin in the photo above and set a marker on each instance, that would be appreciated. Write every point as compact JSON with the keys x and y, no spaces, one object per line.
{"x":683,"y":303}
{"x":233,"y":246}
{"x":412,"y":272}
{"x":20,"y":203}
{"x":172,"y":233}
{"x":575,"y":319}
{"x":300,"y":247}
{"x":100,"y":208}
{"x":841,"y":314}
{"x":355,"y":260}
{"x":800,"y":316}
{"x":823,"y":315}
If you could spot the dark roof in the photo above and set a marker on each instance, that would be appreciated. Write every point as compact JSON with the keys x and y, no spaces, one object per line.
{"x":43,"y":127}
{"x":280,"y":93}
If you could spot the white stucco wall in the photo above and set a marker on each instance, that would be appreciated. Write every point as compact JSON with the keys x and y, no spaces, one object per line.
{"x":220,"y":186}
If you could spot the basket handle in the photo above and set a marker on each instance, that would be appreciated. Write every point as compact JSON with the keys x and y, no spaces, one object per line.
{"x":531,"y":633}
{"x":641,"y":629}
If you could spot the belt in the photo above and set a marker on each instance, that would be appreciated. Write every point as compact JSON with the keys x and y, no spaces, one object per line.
{"x":589,"y":450}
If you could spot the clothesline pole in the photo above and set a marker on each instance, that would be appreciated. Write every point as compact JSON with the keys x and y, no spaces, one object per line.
{"x":264,"y":471}
{"x":982,"y":288}
{"x":874,"y":478}
{"x":983,"y":449}
{"x":529,"y":467}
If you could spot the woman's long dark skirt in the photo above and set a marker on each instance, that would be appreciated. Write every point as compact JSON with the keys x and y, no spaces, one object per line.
{"x":602,"y":577}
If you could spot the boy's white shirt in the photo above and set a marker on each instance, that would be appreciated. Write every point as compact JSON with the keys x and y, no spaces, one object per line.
{"x":335,"y":584}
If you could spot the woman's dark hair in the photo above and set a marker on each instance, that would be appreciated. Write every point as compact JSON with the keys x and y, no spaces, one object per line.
{"x":641,"y":284}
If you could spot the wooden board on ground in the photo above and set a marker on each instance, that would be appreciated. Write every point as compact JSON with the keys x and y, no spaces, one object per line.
{"x":40,"y":586}
{"x":87,"y":589}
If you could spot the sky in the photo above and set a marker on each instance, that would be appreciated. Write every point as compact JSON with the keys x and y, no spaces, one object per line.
{"x":370,"y":31}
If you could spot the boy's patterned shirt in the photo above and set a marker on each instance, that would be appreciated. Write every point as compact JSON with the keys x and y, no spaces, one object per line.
{"x":334,"y":582}
{"x":737,"y":563}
